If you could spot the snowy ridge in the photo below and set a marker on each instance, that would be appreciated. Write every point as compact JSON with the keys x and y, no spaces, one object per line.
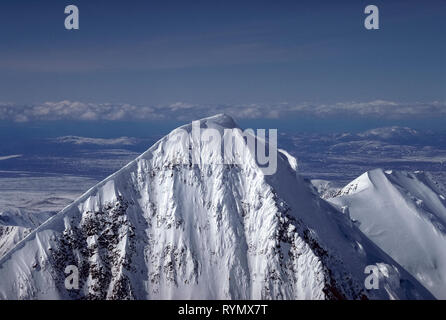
{"x":15,"y":224}
{"x":356,"y":186}
{"x":404,"y":214}
{"x":324,"y":188}
{"x":164,"y":228}
{"x":390,"y":133}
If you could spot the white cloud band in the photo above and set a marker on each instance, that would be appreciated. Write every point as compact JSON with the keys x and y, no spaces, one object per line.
{"x":67,"y":110}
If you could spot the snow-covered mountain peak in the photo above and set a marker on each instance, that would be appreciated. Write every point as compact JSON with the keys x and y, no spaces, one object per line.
{"x":404,"y":213}
{"x":178,"y":223}
{"x":219,"y":122}
{"x":221,"y":119}
{"x":359,"y":184}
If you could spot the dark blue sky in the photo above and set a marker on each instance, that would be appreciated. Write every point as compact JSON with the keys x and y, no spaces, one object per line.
{"x":231,"y":52}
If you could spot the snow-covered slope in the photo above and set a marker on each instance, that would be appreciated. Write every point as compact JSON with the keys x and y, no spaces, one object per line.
{"x":405,"y":215}
{"x":163,"y":227}
{"x":388,"y":133}
{"x":15,"y":224}
{"x":326,"y":189}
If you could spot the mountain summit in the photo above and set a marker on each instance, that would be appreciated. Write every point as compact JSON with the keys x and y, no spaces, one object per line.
{"x":168,"y":227}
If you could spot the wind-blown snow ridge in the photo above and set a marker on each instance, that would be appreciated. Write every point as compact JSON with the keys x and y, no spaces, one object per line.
{"x":404,"y":213}
{"x":163,"y":227}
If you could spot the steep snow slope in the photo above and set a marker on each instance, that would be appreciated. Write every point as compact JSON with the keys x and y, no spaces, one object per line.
{"x":405,"y":215}
{"x":163,"y":227}
{"x":15,"y":224}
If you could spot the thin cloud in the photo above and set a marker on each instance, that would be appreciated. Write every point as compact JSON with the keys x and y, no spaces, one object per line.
{"x":182,"y":111}
{"x":10,"y":157}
